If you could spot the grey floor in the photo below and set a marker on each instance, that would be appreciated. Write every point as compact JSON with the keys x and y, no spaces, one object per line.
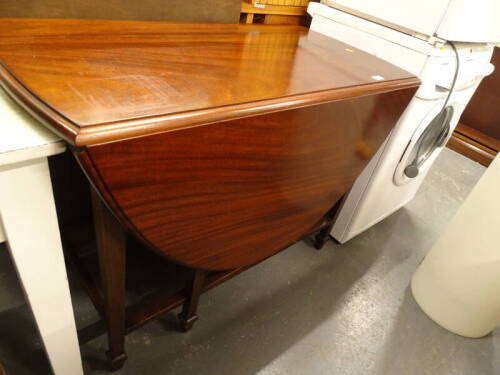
{"x":344,"y":310}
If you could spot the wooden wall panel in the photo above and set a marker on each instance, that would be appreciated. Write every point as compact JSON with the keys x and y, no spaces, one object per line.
{"x":148,"y":10}
{"x":470,"y":149}
{"x":483,"y":111}
{"x":477,"y":136}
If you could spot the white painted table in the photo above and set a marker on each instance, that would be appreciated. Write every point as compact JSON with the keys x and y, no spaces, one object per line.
{"x":28,"y":223}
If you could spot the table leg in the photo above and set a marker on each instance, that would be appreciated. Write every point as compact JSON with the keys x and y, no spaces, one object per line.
{"x":29,"y":220}
{"x":194,"y":288}
{"x":111,"y":246}
{"x":321,"y":238}
{"x":324,"y":234}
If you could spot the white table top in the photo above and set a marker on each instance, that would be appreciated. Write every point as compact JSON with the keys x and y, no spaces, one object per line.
{"x":21,"y":136}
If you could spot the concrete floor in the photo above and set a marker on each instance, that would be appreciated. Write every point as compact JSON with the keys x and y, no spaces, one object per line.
{"x":344,"y":310}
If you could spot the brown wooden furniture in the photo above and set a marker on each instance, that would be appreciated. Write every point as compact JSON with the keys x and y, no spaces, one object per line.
{"x":216,"y":146}
{"x":477,"y":135}
{"x":272,"y":14}
{"x":293,"y":3}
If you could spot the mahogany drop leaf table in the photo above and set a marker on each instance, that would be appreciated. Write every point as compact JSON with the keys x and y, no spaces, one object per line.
{"x":215,"y":145}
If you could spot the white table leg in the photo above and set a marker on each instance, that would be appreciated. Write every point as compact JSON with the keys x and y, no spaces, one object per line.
{"x":29,"y":220}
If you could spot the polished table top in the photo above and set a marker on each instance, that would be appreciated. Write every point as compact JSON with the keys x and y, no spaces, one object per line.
{"x":101,"y":81}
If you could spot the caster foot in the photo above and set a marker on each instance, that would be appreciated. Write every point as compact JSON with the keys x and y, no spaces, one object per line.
{"x":187,"y":324}
{"x":321,"y":238}
{"x":116,"y":362}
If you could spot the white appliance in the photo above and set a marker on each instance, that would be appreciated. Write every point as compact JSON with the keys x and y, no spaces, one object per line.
{"x":395,"y":173}
{"x":459,"y":20}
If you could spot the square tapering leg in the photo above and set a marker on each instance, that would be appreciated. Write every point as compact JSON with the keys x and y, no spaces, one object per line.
{"x":323,"y":235}
{"x":111,"y":246}
{"x":194,"y":289}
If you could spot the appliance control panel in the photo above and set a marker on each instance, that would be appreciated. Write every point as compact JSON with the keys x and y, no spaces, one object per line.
{"x":437,"y":79}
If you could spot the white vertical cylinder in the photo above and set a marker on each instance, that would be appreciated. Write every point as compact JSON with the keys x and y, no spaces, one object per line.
{"x":458,"y":283}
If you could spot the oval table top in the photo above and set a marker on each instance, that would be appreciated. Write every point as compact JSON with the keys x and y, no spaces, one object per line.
{"x":95,"y":81}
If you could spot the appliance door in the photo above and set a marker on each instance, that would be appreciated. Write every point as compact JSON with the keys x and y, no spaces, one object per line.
{"x":425,"y":144}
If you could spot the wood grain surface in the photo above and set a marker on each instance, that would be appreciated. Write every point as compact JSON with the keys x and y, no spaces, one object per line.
{"x":101,"y":81}
{"x":229,"y":194}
